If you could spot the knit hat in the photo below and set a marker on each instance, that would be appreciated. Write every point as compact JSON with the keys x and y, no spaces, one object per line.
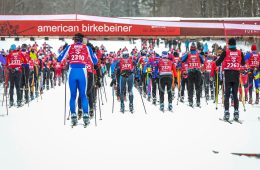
{"x":232,"y":41}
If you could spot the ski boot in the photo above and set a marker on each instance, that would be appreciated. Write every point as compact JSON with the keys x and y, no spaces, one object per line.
{"x":226,"y":115}
{"x":26,"y":101}
{"x":91,"y":113}
{"x":182,"y":99}
{"x":32,"y":97}
{"x":191,"y":104}
{"x":250,"y":100}
{"x":80,"y":111}
{"x":131,"y":107}
{"x":86,"y":119}
{"x":212,"y":97}
{"x":170,"y":106}
{"x":198,"y":104}
{"x":19,"y":103}
{"x":74,"y":120}
{"x":11,"y":103}
{"x":149,"y":98}
{"x":37,"y":94}
{"x":161,"y":107}
{"x":154,"y":101}
{"x":236,"y":115}
{"x":144,"y":95}
{"x":122,"y":108}
{"x":257,"y":98}
{"x":207,"y":97}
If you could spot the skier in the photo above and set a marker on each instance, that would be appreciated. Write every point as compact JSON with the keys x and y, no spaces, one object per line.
{"x":231,"y":58}
{"x":126,"y":67}
{"x":15,"y":59}
{"x":155,"y":76}
{"x":194,"y":61}
{"x":208,"y":84}
{"x":253,"y":59}
{"x":167,"y":71}
{"x":78,"y":54}
{"x":24,"y":86}
{"x":142,"y":64}
{"x":184,"y":79}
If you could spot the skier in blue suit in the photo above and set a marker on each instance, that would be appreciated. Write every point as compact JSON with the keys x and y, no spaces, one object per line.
{"x":78,"y":55}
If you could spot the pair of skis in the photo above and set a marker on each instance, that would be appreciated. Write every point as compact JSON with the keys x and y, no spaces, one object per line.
{"x":231,"y":121}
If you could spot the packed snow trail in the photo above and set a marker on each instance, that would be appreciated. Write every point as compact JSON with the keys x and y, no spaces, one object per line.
{"x":35,"y":138}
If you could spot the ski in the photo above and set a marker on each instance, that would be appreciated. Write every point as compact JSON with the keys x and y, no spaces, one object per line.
{"x":225,"y":120}
{"x":238,"y":121}
{"x":80,"y":124}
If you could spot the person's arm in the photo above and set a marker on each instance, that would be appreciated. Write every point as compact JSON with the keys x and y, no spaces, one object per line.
{"x":247,"y":56}
{"x":184,"y":58}
{"x":93,"y":57}
{"x":63,"y":54}
{"x":221,"y":58}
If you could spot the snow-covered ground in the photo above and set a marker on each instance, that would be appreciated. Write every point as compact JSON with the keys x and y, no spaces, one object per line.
{"x":34,"y":137}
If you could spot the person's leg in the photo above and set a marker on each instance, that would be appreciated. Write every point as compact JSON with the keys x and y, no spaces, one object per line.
{"x":190,"y":88}
{"x":11,"y":90}
{"x":169,"y":91}
{"x":198,"y":86}
{"x":130,"y":84}
{"x":83,"y":83}
{"x":90,"y":93}
{"x":17,"y":82}
{"x":122,"y":92}
{"x":73,"y":84}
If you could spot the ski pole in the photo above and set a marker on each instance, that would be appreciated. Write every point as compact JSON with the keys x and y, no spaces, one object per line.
{"x":243,"y":92}
{"x":65,"y":101}
{"x":206,"y":89}
{"x":6,"y":89}
{"x":179,"y":85}
{"x":100,"y":118}
{"x":68,"y":118}
{"x":142,"y":100}
{"x":216,"y":97}
{"x":104,"y":89}
{"x":113,"y":98}
{"x":95,"y":105}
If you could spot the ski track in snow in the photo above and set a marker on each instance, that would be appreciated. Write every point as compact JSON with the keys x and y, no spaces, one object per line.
{"x":34,"y":137}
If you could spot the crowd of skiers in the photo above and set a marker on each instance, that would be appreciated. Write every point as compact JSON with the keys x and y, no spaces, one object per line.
{"x":228,"y":69}
{"x":31,"y":69}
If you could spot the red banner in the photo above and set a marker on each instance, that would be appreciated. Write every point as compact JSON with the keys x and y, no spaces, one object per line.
{"x":69,"y":28}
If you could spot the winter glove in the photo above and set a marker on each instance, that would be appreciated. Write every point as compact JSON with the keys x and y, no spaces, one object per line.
{"x":211,"y":79}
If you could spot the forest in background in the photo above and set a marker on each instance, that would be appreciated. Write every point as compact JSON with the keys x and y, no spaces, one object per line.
{"x":134,"y":8}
